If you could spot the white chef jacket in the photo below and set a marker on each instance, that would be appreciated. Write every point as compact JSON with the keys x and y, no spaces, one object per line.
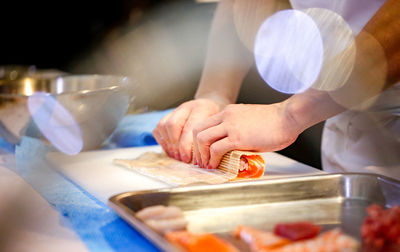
{"x":367,"y":141}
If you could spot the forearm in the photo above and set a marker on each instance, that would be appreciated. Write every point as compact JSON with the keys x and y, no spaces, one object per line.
{"x":377,"y":62}
{"x":384,"y":27}
{"x":227,"y":61}
{"x":311,"y":107}
{"x":231,"y":41}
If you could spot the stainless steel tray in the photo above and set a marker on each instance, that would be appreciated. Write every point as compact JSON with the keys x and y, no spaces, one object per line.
{"x":333,"y":200}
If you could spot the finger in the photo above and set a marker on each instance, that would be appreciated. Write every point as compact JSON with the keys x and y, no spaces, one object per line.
{"x":217,"y":150}
{"x":164,"y":138}
{"x":209,"y":122}
{"x":206,"y":138}
{"x":185,"y":145}
{"x":160,"y":139}
{"x":164,"y":133}
{"x":186,"y":141}
{"x":174,"y":126}
{"x":195,"y":152}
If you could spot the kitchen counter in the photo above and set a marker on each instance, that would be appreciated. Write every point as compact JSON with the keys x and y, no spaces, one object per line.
{"x":37,"y":226}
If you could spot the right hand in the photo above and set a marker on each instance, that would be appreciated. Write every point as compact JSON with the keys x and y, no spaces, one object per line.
{"x":174,"y":132}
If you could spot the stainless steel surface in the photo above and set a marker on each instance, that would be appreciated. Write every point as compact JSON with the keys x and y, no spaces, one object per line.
{"x":97,"y":103}
{"x":333,"y":200}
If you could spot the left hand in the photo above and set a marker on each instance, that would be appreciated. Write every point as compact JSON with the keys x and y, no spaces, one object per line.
{"x":243,"y":127}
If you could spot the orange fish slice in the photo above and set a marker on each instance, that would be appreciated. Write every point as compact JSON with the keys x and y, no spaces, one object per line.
{"x":251,"y":166}
{"x":259,"y":240}
{"x":198,"y":242}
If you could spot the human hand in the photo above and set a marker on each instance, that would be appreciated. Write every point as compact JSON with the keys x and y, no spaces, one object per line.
{"x":174,"y":132}
{"x":243,"y":127}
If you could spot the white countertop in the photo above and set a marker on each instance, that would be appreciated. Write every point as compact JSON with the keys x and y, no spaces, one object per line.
{"x":36,"y":226}
{"x":95,"y":172}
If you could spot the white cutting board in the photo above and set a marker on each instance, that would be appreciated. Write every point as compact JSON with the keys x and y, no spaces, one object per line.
{"x":95,"y":172}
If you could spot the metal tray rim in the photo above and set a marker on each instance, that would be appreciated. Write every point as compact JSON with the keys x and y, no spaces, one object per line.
{"x":128,"y":215}
{"x":113,"y":199}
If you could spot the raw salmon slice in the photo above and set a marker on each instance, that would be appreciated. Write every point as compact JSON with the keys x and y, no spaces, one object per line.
{"x":199,"y":242}
{"x":298,"y":230}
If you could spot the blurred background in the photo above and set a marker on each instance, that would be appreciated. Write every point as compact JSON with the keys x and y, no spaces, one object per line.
{"x":161,"y":44}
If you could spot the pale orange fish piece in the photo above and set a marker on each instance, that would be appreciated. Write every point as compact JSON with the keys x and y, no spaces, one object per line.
{"x":259,"y":240}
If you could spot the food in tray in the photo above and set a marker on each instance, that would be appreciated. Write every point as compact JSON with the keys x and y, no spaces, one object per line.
{"x":262,"y":241}
{"x":189,"y":242}
{"x":158,"y":212}
{"x":300,"y":236}
{"x":234,"y":165}
{"x":332,"y":240}
{"x":381,"y":229}
{"x":259,"y":240}
{"x":297,"y":231}
{"x":162,"y":219}
{"x":170,"y":221}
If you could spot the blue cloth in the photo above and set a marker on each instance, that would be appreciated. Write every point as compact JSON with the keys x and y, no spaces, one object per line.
{"x":95,"y":223}
{"x":136,"y":130}
{"x":7,"y":147}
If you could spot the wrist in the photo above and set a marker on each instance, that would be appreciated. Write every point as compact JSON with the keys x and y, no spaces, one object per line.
{"x":295,"y":114}
{"x":220,"y":100}
{"x":309,"y":108}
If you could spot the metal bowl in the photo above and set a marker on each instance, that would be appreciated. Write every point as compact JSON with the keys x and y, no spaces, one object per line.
{"x":74,"y":113}
{"x":13,"y":72}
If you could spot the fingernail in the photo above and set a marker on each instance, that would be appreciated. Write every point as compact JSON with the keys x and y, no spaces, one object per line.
{"x":194,"y":161}
{"x":209,"y":166}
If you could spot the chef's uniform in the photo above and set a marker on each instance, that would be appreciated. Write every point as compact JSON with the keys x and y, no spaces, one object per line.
{"x":361,"y":141}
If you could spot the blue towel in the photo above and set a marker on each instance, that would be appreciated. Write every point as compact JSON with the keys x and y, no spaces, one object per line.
{"x":5,"y":146}
{"x":95,"y":223}
{"x":136,"y":130}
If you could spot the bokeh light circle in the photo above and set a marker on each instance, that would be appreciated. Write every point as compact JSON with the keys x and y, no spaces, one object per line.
{"x":289,"y":51}
{"x":368,"y":78}
{"x":339,"y":49}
